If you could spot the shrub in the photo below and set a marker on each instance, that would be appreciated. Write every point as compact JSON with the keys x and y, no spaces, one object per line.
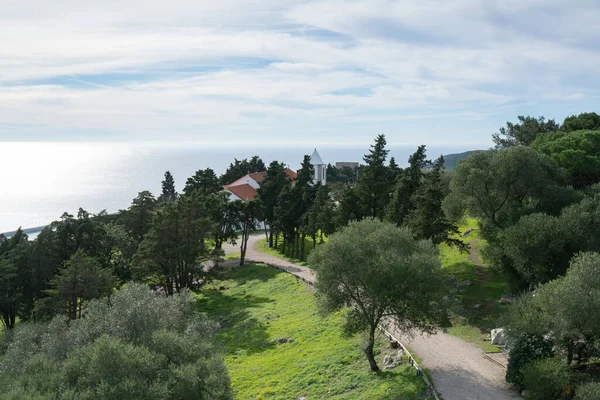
{"x":546,"y":379}
{"x":135,"y":346}
{"x":588,"y":391}
{"x":526,"y":348}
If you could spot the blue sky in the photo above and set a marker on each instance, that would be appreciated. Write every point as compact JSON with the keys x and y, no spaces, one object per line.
{"x":292,"y":72}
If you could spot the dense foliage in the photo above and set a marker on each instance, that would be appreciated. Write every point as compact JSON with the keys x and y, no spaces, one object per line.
{"x":382,"y":274}
{"x":135,"y":346}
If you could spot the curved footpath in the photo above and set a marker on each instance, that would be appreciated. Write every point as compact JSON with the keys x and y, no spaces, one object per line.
{"x":459,"y":369}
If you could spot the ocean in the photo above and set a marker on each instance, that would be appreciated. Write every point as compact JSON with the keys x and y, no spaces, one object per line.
{"x":40,"y":181}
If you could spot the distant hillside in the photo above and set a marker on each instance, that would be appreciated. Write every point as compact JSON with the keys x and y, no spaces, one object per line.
{"x":451,"y":160}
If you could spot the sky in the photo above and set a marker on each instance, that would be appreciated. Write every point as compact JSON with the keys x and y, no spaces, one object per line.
{"x":288,"y":72}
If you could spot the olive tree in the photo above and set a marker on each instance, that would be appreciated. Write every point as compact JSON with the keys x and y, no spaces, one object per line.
{"x":137,"y":345}
{"x":380,"y":272}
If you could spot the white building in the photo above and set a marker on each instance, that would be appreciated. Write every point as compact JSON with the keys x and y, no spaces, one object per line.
{"x":320,"y":168}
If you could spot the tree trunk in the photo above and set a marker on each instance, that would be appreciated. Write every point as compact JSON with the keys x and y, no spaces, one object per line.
{"x":369,"y":350}
{"x":276,"y":239}
{"x":302,"y":246}
{"x":270,"y":240}
{"x":73,"y":308}
{"x":321,"y":241}
{"x":244,"y":245}
{"x":314,"y":239}
{"x":569,"y":352}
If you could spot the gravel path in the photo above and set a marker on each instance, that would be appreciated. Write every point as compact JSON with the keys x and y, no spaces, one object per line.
{"x":459,"y":369}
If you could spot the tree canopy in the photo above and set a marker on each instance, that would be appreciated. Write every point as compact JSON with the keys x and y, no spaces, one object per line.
{"x":135,"y":346}
{"x":578,"y":152}
{"x":381,"y":273}
{"x":524,"y":132}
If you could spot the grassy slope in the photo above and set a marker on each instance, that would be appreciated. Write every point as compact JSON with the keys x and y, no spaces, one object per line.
{"x":469,"y":323}
{"x":260,"y":305}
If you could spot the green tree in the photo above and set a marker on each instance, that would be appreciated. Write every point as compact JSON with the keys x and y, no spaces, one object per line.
{"x":268,"y":193}
{"x":136,"y":346}
{"x":238,"y":168}
{"x":567,"y":307}
{"x":204,"y":181}
{"x":547,"y":378}
{"x":303,"y":194}
{"x":524,"y":132}
{"x":373,"y":187}
{"x":82,"y":279}
{"x":525,"y":349}
{"x":406,"y":186}
{"x":223,"y":213}
{"x":577,"y":152}
{"x":14,"y":268}
{"x":583,"y":121}
{"x":321,"y":214}
{"x":382,"y":274}
{"x":539,"y":247}
{"x":500,"y":186}
{"x":139,"y":214}
{"x":168,"y":189}
{"x":249,"y":214}
{"x":173,"y":250}
{"x":427,"y":219}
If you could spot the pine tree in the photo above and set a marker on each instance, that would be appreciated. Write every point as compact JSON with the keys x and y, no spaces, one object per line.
{"x":204,"y":181}
{"x":270,"y":187}
{"x":373,"y":188}
{"x":394,"y":170}
{"x":407,"y":184}
{"x":427,"y":219}
{"x":168,"y":189}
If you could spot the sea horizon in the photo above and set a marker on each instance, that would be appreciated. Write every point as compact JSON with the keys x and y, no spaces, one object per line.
{"x":45,"y":179}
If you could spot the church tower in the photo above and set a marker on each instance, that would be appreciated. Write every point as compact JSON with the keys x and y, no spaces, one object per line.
{"x":320,"y":168}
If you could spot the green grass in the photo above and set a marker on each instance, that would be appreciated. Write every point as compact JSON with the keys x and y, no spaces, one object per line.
{"x":260,"y":305}
{"x":278,"y":251}
{"x":470,"y":323}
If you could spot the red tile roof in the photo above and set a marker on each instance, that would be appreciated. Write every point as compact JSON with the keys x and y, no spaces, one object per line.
{"x":258,"y":177}
{"x":244,"y":192}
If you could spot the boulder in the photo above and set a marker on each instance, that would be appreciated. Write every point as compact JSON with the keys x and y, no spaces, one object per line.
{"x":499,"y":336}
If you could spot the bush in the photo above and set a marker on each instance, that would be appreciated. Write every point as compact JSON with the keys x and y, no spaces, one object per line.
{"x":526,"y":349}
{"x":546,"y":379}
{"x":136,"y":346}
{"x":588,"y":391}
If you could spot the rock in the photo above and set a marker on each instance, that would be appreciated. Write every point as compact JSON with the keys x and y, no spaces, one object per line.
{"x":301,"y":398}
{"x":394,"y":345}
{"x":507,"y":300}
{"x":464,"y":283}
{"x":387,"y":360}
{"x":453,"y":290}
{"x":477,"y":306}
{"x":284,"y":340}
{"x":498,"y":336}
{"x":400,"y":354}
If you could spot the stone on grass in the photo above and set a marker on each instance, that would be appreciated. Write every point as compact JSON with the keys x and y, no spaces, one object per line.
{"x":284,"y":340}
{"x":498,"y":336}
{"x":464,"y":283}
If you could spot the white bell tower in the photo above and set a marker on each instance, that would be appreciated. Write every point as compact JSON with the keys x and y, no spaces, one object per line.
{"x":320,"y":168}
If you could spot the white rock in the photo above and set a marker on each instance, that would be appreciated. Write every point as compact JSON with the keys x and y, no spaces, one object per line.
{"x":499,"y":336}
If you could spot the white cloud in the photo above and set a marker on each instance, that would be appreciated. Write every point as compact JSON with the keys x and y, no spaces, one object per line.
{"x":253,"y":66}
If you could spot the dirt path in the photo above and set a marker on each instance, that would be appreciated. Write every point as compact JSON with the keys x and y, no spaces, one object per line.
{"x":459,"y":369}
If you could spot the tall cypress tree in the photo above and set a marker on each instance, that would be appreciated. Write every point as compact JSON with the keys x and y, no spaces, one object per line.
{"x":168,"y":189}
{"x":373,"y":188}
{"x":407,"y":185}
